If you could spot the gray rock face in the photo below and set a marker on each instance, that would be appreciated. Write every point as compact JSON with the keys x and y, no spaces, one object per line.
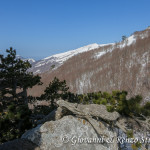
{"x":93,"y":110}
{"x":69,"y":133}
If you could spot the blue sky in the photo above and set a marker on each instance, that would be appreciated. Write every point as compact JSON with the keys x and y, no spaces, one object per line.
{"x":40,"y":28}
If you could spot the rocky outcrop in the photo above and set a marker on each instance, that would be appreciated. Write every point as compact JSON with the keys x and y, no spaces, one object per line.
{"x":50,"y":116}
{"x":70,"y":133}
{"x":92,"y":110}
{"x":75,"y":126}
{"x":83,"y":111}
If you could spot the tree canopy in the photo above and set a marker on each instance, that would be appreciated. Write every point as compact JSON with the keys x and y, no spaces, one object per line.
{"x":14,"y":74}
{"x":56,"y":89}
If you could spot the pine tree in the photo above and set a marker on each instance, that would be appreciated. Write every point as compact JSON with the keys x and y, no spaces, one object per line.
{"x":124,"y":38}
{"x":14,"y":74}
{"x":14,"y":113}
{"x":8,"y":72}
{"x":28,"y":80}
{"x":56,"y":89}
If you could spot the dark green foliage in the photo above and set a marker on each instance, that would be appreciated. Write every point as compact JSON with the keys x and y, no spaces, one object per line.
{"x":15,"y":115}
{"x":103,"y":101}
{"x":13,"y":75}
{"x":44,"y":110}
{"x":53,"y":66}
{"x":57,"y":89}
{"x":9,"y":71}
{"x":14,"y":111}
{"x":130,"y":133}
{"x":117,"y":101}
{"x":124,"y":38}
{"x":138,"y":145}
{"x":106,"y":95}
{"x":110,"y":108}
{"x":28,"y":80}
{"x":70,"y":97}
{"x":14,"y":122}
{"x":146,"y":109}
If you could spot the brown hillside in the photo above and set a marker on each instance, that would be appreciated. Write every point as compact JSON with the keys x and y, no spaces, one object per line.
{"x":120,"y":68}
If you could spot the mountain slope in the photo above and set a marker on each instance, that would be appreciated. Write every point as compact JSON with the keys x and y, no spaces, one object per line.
{"x":54,"y":61}
{"x":120,"y":66}
{"x":31,"y":60}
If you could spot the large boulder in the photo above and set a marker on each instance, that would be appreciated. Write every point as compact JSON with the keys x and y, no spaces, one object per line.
{"x":70,"y":133}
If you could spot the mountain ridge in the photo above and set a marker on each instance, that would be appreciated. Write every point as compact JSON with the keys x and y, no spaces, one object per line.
{"x":120,"y":66}
{"x":56,"y":60}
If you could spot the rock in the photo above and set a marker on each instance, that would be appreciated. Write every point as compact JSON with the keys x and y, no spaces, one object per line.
{"x":92,"y":110}
{"x":50,"y":116}
{"x":89,"y":112}
{"x":76,"y":126}
{"x":69,"y":133}
{"x":19,"y":144}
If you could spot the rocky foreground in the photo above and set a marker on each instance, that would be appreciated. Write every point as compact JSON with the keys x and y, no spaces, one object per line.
{"x":76,"y":126}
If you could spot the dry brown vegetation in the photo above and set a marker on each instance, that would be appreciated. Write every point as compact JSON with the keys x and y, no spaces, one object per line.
{"x":126,"y":68}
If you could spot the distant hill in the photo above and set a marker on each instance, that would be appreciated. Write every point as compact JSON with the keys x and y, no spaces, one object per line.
{"x":119,"y":66}
{"x":54,"y":61}
{"x":31,"y":60}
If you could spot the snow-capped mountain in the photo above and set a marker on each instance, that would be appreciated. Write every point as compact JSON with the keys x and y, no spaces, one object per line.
{"x":54,"y":61}
{"x":31,"y":60}
{"x":131,"y":40}
{"x":123,"y":65}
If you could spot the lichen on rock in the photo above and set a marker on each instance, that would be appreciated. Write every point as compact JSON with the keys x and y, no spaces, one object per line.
{"x":68,"y":133}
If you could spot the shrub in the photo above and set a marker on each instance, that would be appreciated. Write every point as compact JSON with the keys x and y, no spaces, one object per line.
{"x":14,"y":122}
{"x":130,"y":133}
{"x":110,"y":108}
{"x":103,"y":101}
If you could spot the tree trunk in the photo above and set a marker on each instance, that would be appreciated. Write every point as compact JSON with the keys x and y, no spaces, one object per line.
{"x":25,"y":96}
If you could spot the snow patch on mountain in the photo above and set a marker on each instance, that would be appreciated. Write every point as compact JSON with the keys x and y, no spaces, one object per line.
{"x":66,"y":55}
{"x":148,"y":28}
{"x":127,"y":42}
{"x":53,"y":62}
{"x":58,"y":59}
{"x":99,"y":54}
{"x":30,"y":60}
{"x":131,"y":40}
{"x":37,"y":71}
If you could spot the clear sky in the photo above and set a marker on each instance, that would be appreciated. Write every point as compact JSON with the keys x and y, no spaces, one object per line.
{"x":40,"y":28}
